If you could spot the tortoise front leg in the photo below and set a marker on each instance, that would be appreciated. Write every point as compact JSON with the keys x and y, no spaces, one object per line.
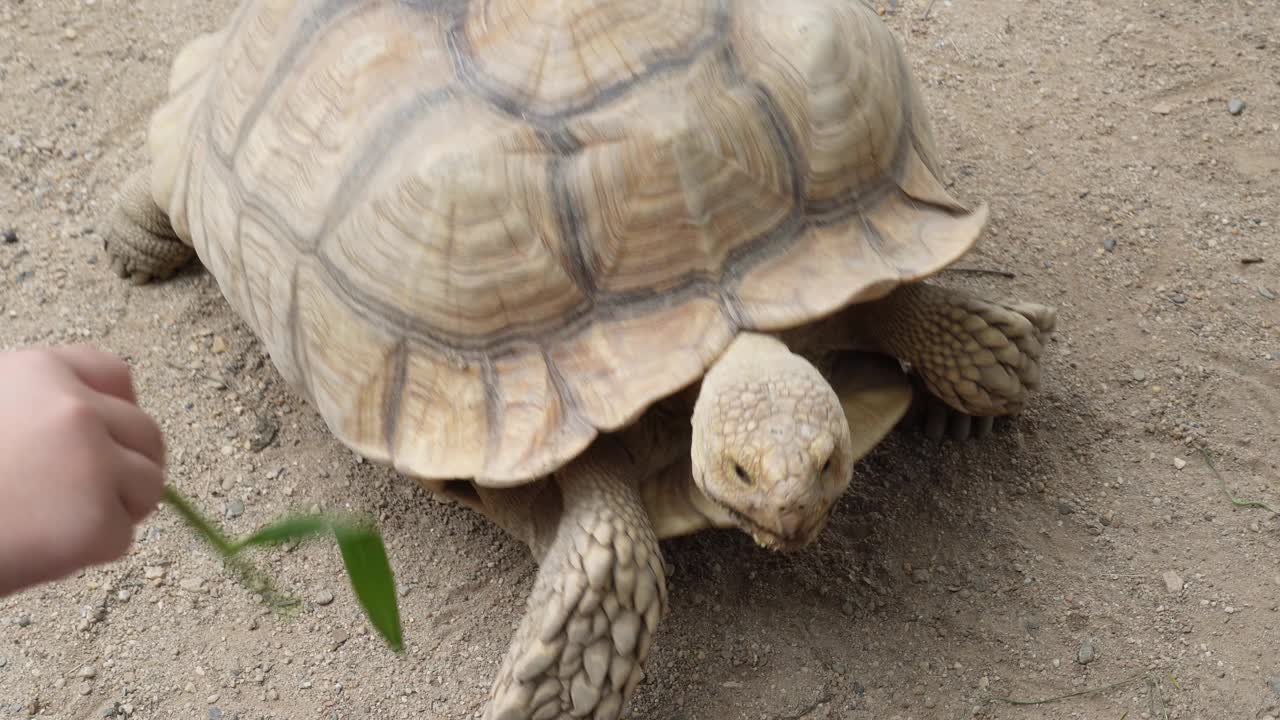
{"x":139,"y":239}
{"x":979,"y":358}
{"x":600,"y":592}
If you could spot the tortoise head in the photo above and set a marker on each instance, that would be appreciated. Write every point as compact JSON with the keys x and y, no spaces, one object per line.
{"x":771,"y":445}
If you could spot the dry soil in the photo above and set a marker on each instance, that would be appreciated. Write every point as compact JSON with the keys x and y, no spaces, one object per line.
{"x":1085,"y":545}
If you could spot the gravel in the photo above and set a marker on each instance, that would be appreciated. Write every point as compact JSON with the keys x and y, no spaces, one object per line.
{"x":1087,"y":653}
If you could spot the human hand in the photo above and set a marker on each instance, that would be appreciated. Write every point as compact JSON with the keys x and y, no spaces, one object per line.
{"x":80,"y":463}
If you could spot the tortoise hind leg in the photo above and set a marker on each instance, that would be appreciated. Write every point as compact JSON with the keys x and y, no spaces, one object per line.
{"x":599,"y":594}
{"x":980,"y":358}
{"x":139,"y":239}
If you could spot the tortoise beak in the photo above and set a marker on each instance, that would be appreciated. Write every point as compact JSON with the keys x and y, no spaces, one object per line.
{"x":793,"y":530}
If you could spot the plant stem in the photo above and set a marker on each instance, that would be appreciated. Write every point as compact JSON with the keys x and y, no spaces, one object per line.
{"x":196,"y":520}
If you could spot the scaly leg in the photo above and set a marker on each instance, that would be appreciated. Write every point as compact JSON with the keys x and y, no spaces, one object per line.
{"x":981,"y":358}
{"x":596,"y":602}
{"x":139,"y":239}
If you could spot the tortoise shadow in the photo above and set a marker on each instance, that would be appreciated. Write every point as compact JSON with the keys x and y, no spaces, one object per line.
{"x":915,"y":546}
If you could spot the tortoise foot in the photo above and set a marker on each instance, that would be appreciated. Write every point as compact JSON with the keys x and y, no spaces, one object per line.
{"x":939,"y":421}
{"x":600,"y":592}
{"x":138,"y":239}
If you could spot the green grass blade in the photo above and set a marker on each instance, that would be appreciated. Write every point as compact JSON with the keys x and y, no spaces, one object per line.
{"x":371,"y":577}
{"x":202,"y":525}
{"x":363,"y":554}
{"x":296,"y":527}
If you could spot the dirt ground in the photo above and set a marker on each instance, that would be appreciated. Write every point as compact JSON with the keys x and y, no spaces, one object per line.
{"x":1086,"y":544}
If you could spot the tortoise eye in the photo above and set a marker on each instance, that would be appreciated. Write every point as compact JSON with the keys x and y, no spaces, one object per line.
{"x":743,"y":477}
{"x":826,"y":466}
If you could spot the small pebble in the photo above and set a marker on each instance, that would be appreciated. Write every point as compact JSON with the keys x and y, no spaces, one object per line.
{"x":191,"y":584}
{"x":1087,"y":653}
{"x":338,"y":638}
{"x":1065,"y":508}
{"x":324,"y":597}
{"x":10,"y":236}
{"x":1235,"y":106}
{"x":1139,"y":375}
{"x":215,"y":713}
{"x":23,"y":621}
{"x":88,"y":671}
{"x":1274,"y":684}
{"x":70,"y":34}
{"x":235,"y":508}
{"x":1109,"y":244}
{"x":1179,"y":463}
{"x":1266,"y":293}
{"x":1172,"y":582}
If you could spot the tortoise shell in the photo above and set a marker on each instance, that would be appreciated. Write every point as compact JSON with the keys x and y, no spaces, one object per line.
{"x":477,"y":234}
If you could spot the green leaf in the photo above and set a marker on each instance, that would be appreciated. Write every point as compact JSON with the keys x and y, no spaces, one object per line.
{"x":363,"y":554}
{"x":296,"y":527}
{"x":208,"y":530}
{"x":366,"y":559}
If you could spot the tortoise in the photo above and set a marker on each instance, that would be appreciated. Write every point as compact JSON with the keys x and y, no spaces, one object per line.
{"x":607,"y":272}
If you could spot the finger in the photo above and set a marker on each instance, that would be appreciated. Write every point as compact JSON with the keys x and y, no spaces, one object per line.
{"x":102,"y":371}
{"x":115,"y":533}
{"x":139,"y":483}
{"x":130,"y":427}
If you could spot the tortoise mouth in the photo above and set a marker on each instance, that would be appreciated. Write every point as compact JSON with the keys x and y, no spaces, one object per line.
{"x":767,"y":538}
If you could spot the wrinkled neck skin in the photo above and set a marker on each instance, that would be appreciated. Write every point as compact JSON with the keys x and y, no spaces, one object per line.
{"x":770,"y":446}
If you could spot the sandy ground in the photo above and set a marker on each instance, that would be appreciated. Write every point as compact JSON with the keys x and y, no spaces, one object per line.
{"x":1084,"y":545}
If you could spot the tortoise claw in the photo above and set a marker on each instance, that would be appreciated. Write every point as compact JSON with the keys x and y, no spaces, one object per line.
{"x":938,"y":421}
